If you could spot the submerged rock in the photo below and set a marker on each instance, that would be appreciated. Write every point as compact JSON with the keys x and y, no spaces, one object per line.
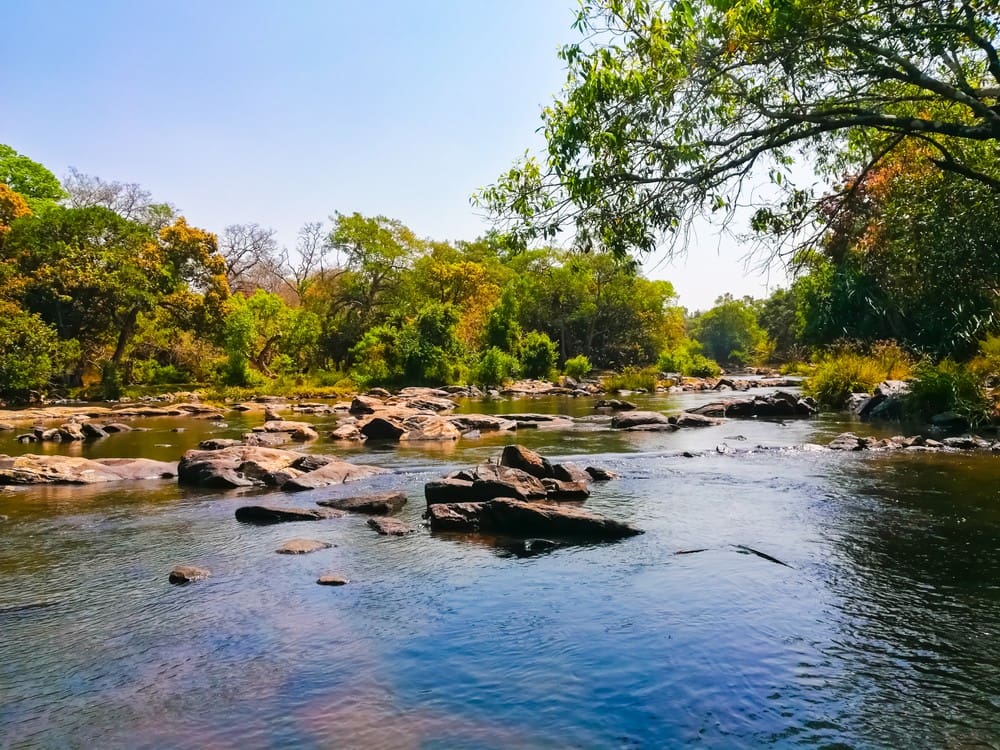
{"x":188,"y":574}
{"x":378,"y":504}
{"x":302,"y":546}
{"x":268,"y":514}
{"x":638,"y":419}
{"x":615,"y":404}
{"x":332,"y":579}
{"x":517,"y":518}
{"x":390,"y":526}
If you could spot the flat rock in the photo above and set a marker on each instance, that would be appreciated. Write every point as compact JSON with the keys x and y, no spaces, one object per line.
{"x":390,"y":526}
{"x":235,"y":466}
{"x":600,"y":475}
{"x":334,"y":472}
{"x":332,"y":579}
{"x":268,"y":514}
{"x":686,"y":419}
{"x":616,"y":404}
{"x":217,"y":444}
{"x":55,"y":469}
{"x":847,"y":441}
{"x":377,"y":504}
{"x":638,"y":419}
{"x":302,"y":546}
{"x":347,"y":432}
{"x":299,"y":431}
{"x":517,"y":518}
{"x":188,"y":574}
{"x":366,"y":404}
{"x":482,"y":422}
{"x":556,"y":489}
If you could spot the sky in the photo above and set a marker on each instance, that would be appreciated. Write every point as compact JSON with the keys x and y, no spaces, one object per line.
{"x":283,"y":113}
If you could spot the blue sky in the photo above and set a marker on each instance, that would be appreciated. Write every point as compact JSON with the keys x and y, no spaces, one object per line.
{"x":281,"y":113}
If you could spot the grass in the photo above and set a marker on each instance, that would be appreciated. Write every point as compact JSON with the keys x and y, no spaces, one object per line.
{"x":846,"y":370}
{"x":632,"y":379}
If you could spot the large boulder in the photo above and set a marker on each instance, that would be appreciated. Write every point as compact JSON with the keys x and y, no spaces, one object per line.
{"x":482,"y":422}
{"x":335,"y":471}
{"x":485,"y":482}
{"x":780,"y":404}
{"x":517,"y":518}
{"x":686,"y":419}
{"x":527,"y":460}
{"x":421,"y":427}
{"x":35,"y":469}
{"x":615,"y":404}
{"x":235,"y":466}
{"x":378,"y":504}
{"x":300,"y":431}
{"x":366,"y":405}
{"x":268,"y":514}
{"x":390,"y":526}
{"x":404,"y":424}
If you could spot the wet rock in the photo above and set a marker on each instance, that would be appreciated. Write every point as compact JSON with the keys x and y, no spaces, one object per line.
{"x":334,"y":472}
{"x":519,"y":457}
{"x":311,"y":462}
{"x":382,"y":428}
{"x":366,"y":405}
{"x":379,"y":393}
{"x":966,"y":442}
{"x":563,"y":490}
{"x":482,"y":422}
{"x":448,"y":490}
{"x":615,"y":404}
{"x":487,"y":482}
{"x":302,"y":546}
{"x":638,"y":419}
{"x":426,"y":427}
{"x":847,"y":441}
{"x":685,"y":419}
{"x":278,"y":478}
{"x":423,"y":402}
{"x":298,"y":431}
{"x":35,"y":469}
{"x":28,"y":437}
{"x":543,"y":421}
{"x":665,"y":427}
{"x":116,"y":427}
{"x":224,"y":468}
{"x":53,"y":435}
{"x":950,"y":421}
{"x":217,"y":444}
{"x":92,"y":431}
{"x":332,"y":579}
{"x":600,"y":475}
{"x":377,"y":504}
{"x":570,"y":472}
{"x":268,"y":514}
{"x":6,"y":427}
{"x":188,"y":574}
{"x":517,"y":518}
{"x":780,"y":404}
{"x":390,"y":526}
{"x":265,"y":439}
{"x":347,"y":432}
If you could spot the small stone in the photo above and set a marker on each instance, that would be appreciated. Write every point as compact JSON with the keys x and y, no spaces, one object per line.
{"x":188,"y":574}
{"x":302,"y":546}
{"x":329,"y":579}
{"x":390,"y":526}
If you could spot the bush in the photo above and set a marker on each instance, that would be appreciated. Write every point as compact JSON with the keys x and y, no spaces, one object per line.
{"x":946,"y":386}
{"x":847,"y":370}
{"x":986,"y":364}
{"x":28,"y":350}
{"x":577,"y":367}
{"x":495,"y":367}
{"x":632,"y":379}
{"x":538,"y":355}
{"x":686,"y":359}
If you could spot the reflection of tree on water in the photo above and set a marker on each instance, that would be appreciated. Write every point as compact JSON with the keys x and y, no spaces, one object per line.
{"x":917,"y":546}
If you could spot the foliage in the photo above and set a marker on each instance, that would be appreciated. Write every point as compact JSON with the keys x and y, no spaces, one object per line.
{"x":28,"y":353}
{"x":495,"y":367}
{"x":29,"y":178}
{"x":729,"y":332}
{"x":632,"y":379}
{"x":849,"y":369}
{"x":946,"y":386}
{"x":538,"y":355}
{"x":986,"y":364}
{"x":577,"y":367}
{"x":686,"y":359}
{"x":670,"y":106}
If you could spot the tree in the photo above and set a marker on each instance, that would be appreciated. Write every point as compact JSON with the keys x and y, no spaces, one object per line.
{"x":251,"y":255}
{"x":669,"y":107}
{"x":729,"y":332}
{"x":28,"y":349}
{"x":127,"y":199}
{"x":27,"y":177}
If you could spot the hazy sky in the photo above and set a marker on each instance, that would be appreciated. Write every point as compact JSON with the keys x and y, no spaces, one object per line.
{"x":281,"y":113}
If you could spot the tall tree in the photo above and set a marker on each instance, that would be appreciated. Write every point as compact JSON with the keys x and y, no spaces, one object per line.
{"x":28,"y":177}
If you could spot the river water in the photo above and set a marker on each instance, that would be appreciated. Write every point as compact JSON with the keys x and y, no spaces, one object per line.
{"x":880,"y":630}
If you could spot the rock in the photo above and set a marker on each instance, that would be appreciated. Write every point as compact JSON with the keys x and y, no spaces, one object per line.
{"x":334,"y":472}
{"x":265,"y":439}
{"x":562,"y":490}
{"x":517,"y":518}
{"x":390,"y":526}
{"x":53,"y":435}
{"x":448,"y":490}
{"x":312,"y":462}
{"x":53,"y":469}
{"x":377,"y":392}
{"x":217,"y":444}
{"x":116,"y":427}
{"x":366,"y":405}
{"x":686,"y":419}
{"x":188,"y":574}
{"x":429,"y":427}
{"x":666,"y":427}
{"x":28,"y":437}
{"x":271,"y":414}
{"x":888,"y":408}
{"x":615,"y":404}
{"x":547,"y":421}
{"x":382,"y":428}
{"x":347,"y":432}
{"x":847,"y":441}
{"x":224,"y":468}
{"x":965,"y":442}
{"x":6,"y":427}
{"x":92,"y":431}
{"x":302,"y":546}
{"x":482,"y":422}
{"x":424,"y":402}
{"x":780,"y":404}
{"x":638,"y":418}
{"x":299,"y":431}
{"x":268,"y":514}
{"x":950,"y":421}
{"x":600,"y":475}
{"x":331,"y":579}
{"x":519,"y":457}
{"x":570,"y":472}
{"x":379,"y":504}
{"x":487,"y":482}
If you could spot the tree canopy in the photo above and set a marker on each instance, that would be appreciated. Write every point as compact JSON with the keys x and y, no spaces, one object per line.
{"x":669,"y":107}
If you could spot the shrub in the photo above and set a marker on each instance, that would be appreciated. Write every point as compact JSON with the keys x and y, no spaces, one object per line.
{"x":632,"y":379}
{"x":846,"y":370}
{"x":986,"y":364}
{"x":495,"y":367}
{"x":946,"y":386}
{"x":538,"y":355}
{"x":686,"y":358}
{"x":28,"y":350}
{"x":577,"y":367}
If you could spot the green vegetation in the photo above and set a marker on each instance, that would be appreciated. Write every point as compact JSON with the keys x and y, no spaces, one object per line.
{"x":946,"y":387}
{"x":577,"y":367}
{"x":847,"y":369}
{"x":632,"y":379}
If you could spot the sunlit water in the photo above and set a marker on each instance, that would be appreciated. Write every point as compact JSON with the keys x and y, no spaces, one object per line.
{"x":882,"y":629}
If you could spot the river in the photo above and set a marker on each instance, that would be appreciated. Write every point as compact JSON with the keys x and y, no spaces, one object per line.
{"x":881,"y":629}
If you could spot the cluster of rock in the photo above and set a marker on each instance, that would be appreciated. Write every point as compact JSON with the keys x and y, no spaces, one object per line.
{"x":40,"y":469}
{"x":780,"y":404}
{"x":653,"y":421}
{"x":848,"y":441}
{"x":729,"y":383}
{"x":521,"y":496}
